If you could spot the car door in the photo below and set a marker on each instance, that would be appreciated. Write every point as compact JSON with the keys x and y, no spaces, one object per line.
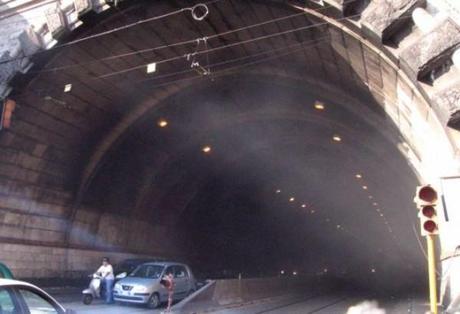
{"x":35,"y":302}
{"x":181,"y":279}
{"x":8,"y":302}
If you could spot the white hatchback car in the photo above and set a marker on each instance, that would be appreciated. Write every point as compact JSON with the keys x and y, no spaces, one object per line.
{"x":19,"y":297}
{"x":143,"y":285}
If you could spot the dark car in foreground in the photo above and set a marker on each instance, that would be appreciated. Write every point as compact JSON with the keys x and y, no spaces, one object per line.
{"x":21,"y":297}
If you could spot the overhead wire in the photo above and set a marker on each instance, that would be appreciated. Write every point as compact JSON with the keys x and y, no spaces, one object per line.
{"x":190,"y":41}
{"x":113,"y":73}
{"x":116,"y":29}
{"x":174,"y":44}
{"x":215,"y":49}
{"x":229,"y":45}
{"x":314,"y":43}
{"x":303,"y":44}
{"x":41,"y":16}
{"x":160,"y":47}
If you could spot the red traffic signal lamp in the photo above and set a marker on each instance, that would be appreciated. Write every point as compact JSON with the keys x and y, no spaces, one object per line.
{"x":427,"y":194}
{"x":426,"y":199}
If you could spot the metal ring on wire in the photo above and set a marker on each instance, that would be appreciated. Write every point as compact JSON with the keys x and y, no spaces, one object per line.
{"x":196,"y":15}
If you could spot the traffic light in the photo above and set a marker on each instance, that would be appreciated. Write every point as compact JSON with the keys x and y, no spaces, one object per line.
{"x":426,"y":199}
{"x":7,"y":113}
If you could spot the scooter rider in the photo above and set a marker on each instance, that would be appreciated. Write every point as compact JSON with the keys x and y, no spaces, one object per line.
{"x":107,"y":277}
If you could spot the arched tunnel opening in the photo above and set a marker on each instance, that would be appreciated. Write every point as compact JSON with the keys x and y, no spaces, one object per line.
{"x":264,"y":140}
{"x":293,"y":181}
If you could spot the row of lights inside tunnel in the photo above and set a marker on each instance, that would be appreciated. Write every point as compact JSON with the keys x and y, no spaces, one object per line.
{"x":206,"y":149}
{"x":340,"y":227}
{"x":319,"y":106}
{"x":378,"y":210}
{"x":324,"y":271}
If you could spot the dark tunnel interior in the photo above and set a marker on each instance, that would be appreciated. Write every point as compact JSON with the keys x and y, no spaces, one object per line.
{"x":276,"y":192}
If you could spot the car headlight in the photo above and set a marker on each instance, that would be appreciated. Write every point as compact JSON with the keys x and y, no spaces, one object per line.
{"x":117,"y":286}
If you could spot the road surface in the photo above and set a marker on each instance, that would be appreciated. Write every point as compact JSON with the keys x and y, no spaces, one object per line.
{"x":321,"y":304}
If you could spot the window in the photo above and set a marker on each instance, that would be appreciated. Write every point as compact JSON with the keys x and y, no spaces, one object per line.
{"x":36,"y":303}
{"x":7,"y":305}
{"x":147,"y":271}
{"x":169,"y":270}
{"x":180,"y":272}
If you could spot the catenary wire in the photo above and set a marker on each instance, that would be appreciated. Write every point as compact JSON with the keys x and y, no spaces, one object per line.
{"x":303,"y":44}
{"x":191,"y":41}
{"x":161,"y":47}
{"x":109,"y":74}
{"x":116,"y":29}
{"x":222,"y":47}
{"x":216,"y":48}
{"x":233,"y":44}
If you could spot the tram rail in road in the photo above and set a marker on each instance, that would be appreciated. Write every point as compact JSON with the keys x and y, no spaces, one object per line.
{"x":320,"y":303}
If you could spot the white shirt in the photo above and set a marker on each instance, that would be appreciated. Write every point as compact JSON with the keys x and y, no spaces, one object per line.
{"x":106,"y":271}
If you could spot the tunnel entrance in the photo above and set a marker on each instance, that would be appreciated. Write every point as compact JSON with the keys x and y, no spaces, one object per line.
{"x":260,"y":141}
{"x":292,"y":180}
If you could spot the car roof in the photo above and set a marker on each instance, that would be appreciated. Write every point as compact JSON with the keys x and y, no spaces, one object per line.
{"x":144,"y":260}
{"x":164,"y":263}
{"x":10,"y":282}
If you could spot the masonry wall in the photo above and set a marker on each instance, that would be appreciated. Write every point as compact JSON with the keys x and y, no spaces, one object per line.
{"x":31,"y":261}
{"x":33,"y":237}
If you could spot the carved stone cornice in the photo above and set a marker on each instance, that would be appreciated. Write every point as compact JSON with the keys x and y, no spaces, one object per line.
{"x":24,"y":34}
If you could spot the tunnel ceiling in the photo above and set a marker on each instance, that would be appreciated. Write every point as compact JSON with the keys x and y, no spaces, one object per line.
{"x":101,"y":143}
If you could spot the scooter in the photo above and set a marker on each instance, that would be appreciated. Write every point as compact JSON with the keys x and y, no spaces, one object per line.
{"x":94,"y":289}
{"x":95,"y":286}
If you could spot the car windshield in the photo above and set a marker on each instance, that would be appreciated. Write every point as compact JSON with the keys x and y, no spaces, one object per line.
{"x":126,"y":267}
{"x":147,"y":271}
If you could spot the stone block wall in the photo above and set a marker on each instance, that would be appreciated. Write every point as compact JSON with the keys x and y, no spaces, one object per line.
{"x":33,"y":239}
{"x":121,"y":232}
{"x":31,"y":261}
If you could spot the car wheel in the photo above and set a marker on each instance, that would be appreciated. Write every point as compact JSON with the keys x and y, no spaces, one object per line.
{"x":87,"y":299}
{"x":154,"y":301}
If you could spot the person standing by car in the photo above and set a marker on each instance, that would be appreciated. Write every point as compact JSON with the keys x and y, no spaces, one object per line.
{"x":106,"y":273}
{"x":168,"y":282}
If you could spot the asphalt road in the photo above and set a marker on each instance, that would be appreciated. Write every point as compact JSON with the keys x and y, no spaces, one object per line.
{"x":321,"y":304}
{"x":330,"y":304}
{"x":70,"y":298}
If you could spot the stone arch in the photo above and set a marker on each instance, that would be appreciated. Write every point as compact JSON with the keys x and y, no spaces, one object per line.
{"x":391,"y":75}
